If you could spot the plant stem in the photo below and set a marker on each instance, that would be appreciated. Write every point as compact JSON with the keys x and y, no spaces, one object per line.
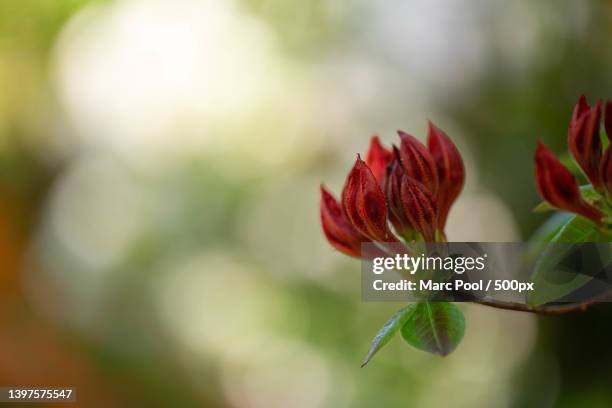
{"x":550,"y":310}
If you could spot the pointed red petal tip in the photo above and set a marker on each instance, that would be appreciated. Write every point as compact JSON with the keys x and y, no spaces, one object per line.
{"x":559,"y":187}
{"x":419,"y":207}
{"x":417,"y":162}
{"x":337,"y":229}
{"x":606,"y":169}
{"x":585,"y":142}
{"x":582,"y":107}
{"x":378,"y":158}
{"x":608,"y":119}
{"x":450,"y":169}
{"x":365,"y":205}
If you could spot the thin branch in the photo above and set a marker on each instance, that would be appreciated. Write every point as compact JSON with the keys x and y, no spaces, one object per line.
{"x":545,"y":310}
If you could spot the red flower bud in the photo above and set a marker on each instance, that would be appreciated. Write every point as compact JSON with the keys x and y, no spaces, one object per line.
{"x":585,"y":142}
{"x":377,"y":159}
{"x":399,"y":186}
{"x":582,"y":107}
{"x":336,"y":227}
{"x":606,"y":169}
{"x":419,"y":207}
{"x":365,"y":205}
{"x":608,"y":119}
{"x":450,"y":169}
{"x":559,"y":187}
{"x":417,"y":162}
{"x":393,"y":188}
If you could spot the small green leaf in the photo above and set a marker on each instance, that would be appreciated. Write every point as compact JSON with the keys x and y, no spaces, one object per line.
{"x":435,"y":327}
{"x":590,"y":194}
{"x":388,"y":331}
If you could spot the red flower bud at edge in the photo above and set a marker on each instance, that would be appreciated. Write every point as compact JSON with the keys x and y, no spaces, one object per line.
{"x":585,"y":142}
{"x":559,"y":187}
{"x":419,"y":207}
{"x":417,"y":162}
{"x":450,"y":169}
{"x":377,"y":159}
{"x":365,"y":205}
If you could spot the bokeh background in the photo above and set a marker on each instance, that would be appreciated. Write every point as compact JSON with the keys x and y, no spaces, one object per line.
{"x":160,"y":163}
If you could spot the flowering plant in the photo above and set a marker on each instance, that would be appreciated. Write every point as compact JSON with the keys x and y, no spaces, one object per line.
{"x":559,"y":187}
{"x":404,"y":194}
{"x":409,"y":189}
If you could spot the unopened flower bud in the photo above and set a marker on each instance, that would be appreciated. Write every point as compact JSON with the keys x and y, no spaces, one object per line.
{"x":377,"y":159}
{"x":450,"y":169}
{"x":337,"y":228}
{"x":585,"y":142}
{"x":417,"y":162}
{"x":419,"y":207}
{"x":365,"y":205}
{"x":559,"y":187}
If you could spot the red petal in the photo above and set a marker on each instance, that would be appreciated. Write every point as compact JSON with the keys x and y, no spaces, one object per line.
{"x":377,"y":159}
{"x":558,"y":186}
{"x":338,"y":231}
{"x":582,"y":107}
{"x":393,"y":186}
{"x":365,"y":205}
{"x":585,"y":143}
{"x":419,"y":207}
{"x":450,"y":169}
{"x":417,"y":162}
{"x":608,"y":119}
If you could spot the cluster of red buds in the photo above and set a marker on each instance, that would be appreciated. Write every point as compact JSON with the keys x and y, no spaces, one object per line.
{"x":411,"y":187}
{"x":557,"y":184}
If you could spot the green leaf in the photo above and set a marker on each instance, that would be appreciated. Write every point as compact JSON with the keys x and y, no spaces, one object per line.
{"x":388,"y":331}
{"x":435,"y":327}
{"x":577,"y":229}
{"x":550,"y":228}
{"x":551,"y":280}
